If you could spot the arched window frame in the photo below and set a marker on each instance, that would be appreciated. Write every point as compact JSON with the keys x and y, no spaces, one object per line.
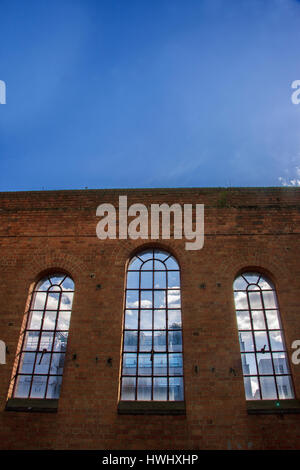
{"x":43,"y":339}
{"x":264,"y":356}
{"x":173,"y":377}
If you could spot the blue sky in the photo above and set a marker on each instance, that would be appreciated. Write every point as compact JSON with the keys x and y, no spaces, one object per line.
{"x":149,"y":93}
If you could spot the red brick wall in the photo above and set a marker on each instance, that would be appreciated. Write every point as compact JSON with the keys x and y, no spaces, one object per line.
{"x":257,"y":228}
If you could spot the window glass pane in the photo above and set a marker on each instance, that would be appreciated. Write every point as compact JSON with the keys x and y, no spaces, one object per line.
{"x":264,"y":364}
{"x":35,"y":320}
{"x":147,"y":266}
{"x":268,"y":389}
{"x":129,"y":364}
{"x":160,"y":364}
{"x":66,"y":301}
{"x":144,"y":388}
{"x":241,"y":302}
{"x":272,"y":319}
{"x":60,"y":343}
{"x":251,"y":278}
{"x":176,"y":388}
{"x":67,"y":284}
{"x":42,"y":363}
{"x":251,"y":388}
{"x":57,"y":279}
{"x":128,"y":388}
{"x":53,"y":301}
{"x":147,"y":255}
{"x":261,"y":341}
{"x":160,"y":280}
{"x":175,"y":341}
{"x":131,"y":319}
{"x":46,"y":341}
{"x":54,"y":385}
{"x":265,"y":284}
{"x":249,"y":364}
{"x":145,"y":340}
{"x":174,"y":299}
{"x":160,"y":341}
{"x":255,"y":300}
{"x":160,"y":388}
{"x":240,"y":284}
{"x":135,"y":263}
{"x":146,"y":319}
{"x":39,"y":300}
{"x":146,"y":299}
{"x":130,"y":340}
{"x":31,"y":340}
{"x":285,"y":387}
{"x":133,"y":280}
{"x":43,"y":285}
{"x":159,"y":266}
{"x":173,"y":279}
{"x":258,"y":320}
{"x":246,"y":341}
{"x":22,"y":386}
{"x":253,"y":287}
{"x":280,"y":363}
{"x":54,"y":289}
{"x":63,"y":322}
{"x":132,"y":298}
{"x":174,"y":319}
{"x":243,"y":320}
{"x":57,"y":363}
{"x":276,"y":341}
{"x":159,"y":319}
{"x":159,"y":299}
{"x":161,"y":255}
{"x":175,"y":364}
{"x":26,"y":363}
{"x":145,"y":364}
{"x":269,"y":299}
{"x":146,"y":280}
{"x":38,"y":389}
{"x":49,"y":320}
{"x":171,"y":263}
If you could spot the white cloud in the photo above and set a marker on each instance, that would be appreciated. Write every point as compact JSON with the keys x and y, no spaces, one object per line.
{"x":240,"y":300}
{"x":174,"y":299}
{"x":293,"y":181}
{"x":144,"y":303}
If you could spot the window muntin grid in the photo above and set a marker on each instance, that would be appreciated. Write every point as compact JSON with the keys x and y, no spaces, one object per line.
{"x":152,"y":362}
{"x":264,"y":356}
{"x":44,"y":340}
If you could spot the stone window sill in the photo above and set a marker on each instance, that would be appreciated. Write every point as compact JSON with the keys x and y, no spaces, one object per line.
{"x":273,"y":406}
{"x":32,"y":405}
{"x":152,"y":407}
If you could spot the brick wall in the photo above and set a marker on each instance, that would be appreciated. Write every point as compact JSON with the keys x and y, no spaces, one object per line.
{"x":244,"y":228}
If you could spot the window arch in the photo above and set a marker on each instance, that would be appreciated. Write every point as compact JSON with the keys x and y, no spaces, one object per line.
{"x":152,"y":363}
{"x":44,"y":339}
{"x":263,"y":352}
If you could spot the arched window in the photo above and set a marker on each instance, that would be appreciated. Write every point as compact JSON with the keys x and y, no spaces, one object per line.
{"x":44,"y":340}
{"x":152,"y":366}
{"x":263,"y":352}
